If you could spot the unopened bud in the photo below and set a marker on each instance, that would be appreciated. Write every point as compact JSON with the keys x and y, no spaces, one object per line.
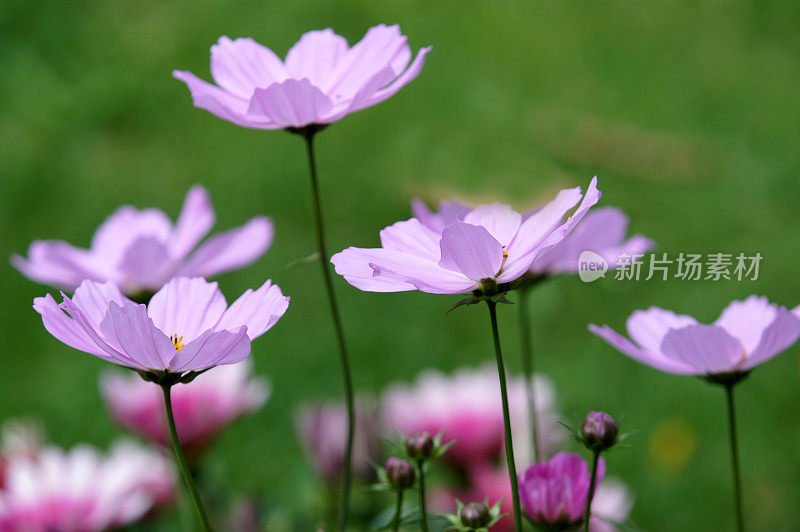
{"x":475,"y":515}
{"x":599,"y":431}
{"x":419,"y":446}
{"x":401,"y":474}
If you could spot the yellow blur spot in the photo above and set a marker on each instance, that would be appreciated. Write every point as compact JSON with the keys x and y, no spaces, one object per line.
{"x":177,"y":341}
{"x":672,"y":444}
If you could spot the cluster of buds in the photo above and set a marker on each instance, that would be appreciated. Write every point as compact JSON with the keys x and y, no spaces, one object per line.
{"x":475,"y":516}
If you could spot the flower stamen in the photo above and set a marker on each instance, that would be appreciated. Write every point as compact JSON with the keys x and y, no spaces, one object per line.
{"x":177,"y":341}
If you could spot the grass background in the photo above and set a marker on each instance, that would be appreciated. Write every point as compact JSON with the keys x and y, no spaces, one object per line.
{"x":687,"y":111}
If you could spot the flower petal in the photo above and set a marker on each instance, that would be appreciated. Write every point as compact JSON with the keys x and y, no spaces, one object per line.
{"x":708,"y":348}
{"x":404,"y":79}
{"x":448,"y":211}
{"x":211,"y":349}
{"x":653,"y":359}
{"x":242,"y":65}
{"x":648,"y":327}
{"x":747,"y":320}
{"x":354,"y":265}
{"x":410,"y":236}
{"x":66,"y":329}
{"x":130,"y":328}
{"x":232,"y":249}
{"x":187,"y":307}
{"x":291,"y":103}
{"x":57,"y":263}
{"x":93,"y":299}
{"x":123,"y":227}
{"x":471,"y":250}
{"x":500,"y":220}
{"x":259,"y":310}
{"x":146,"y":262}
{"x":315,"y":55}
{"x":195,"y":221}
{"x":424,"y":274}
{"x":778,"y":336}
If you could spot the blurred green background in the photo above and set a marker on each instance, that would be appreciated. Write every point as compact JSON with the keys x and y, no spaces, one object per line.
{"x":686,"y":110}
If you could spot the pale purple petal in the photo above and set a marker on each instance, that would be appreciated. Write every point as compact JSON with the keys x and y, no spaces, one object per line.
{"x":500,"y":220}
{"x":130,"y":328}
{"x":404,"y":79}
{"x":212,"y":348}
{"x":362,"y":98}
{"x":93,"y":298}
{"x":411,"y":237}
{"x":449,"y":210}
{"x":635,"y":245}
{"x":424,"y":274}
{"x":145,"y":264}
{"x":242,"y":65}
{"x":354,"y":265}
{"x":653,"y":359}
{"x":230,"y":250}
{"x":126,"y":225}
{"x":259,"y":310}
{"x":315,"y":55}
{"x":291,"y":103}
{"x":57,"y":263}
{"x":778,"y":336}
{"x":66,"y":329}
{"x":708,"y":348}
{"x":471,"y":250}
{"x":187,"y":307}
{"x":747,"y":320}
{"x":648,"y":327}
{"x":195,"y":221}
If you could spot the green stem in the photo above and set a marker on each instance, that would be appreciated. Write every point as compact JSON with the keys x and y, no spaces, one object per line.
{"x":344,"y":501}
{"x":588,"y":513}
{"x":181,"y":460}
{"x":501,"y":372}
{"x":737,"y":482}
{"x":398,"y":510}
{"x":423,"y":510}
{"x":527,"y":368}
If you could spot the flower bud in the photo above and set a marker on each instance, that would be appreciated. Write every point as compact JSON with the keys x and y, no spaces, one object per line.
{"x":475,"y":515}
{"x":419,"y":446}
{"x":599,"y":431}
{"x":400,"y":473}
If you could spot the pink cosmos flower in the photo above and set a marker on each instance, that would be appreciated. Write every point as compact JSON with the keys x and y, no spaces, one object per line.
{"x":321,"y":80}
{"x":322,"y":430}
{"x":746,"y":334}
{"x":202,"y":408}
{"x":602,"y":231}
{"x":466,"y":407}
{"x":187,"y":326}
{"x":81,"y":490}
{"x":493,"y":244}
{"x":140,"y":250}
{"x":554,"y":492}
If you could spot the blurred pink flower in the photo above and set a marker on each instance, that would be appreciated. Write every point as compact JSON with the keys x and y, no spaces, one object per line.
{"x":81,"y":490}
{"x":322,"y":79}
{"x":187,"y":326}
{"x":202,"y":408}
{"x":322,"y":430}
{"x":140,"y":250}
{"x":602,"y":231}
{"x":466,"y":407}
{"x":554,"y":492}
{"x":746,"y":334}
{"x":492,"y":243}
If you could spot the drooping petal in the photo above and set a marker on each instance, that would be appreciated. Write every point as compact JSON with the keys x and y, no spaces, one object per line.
{"x":291,"y":103}
{"x":211,"y":349}
{"x":66,"y":329}
{"x":471,"y":250}
{"x":57,"y":263}
{"x":500,"y":220}
{"x":748,"y":319}
{"x":195,"y":221}
{"x":653,"y":359}
{"x":130,"y":328}
{"x":708,"y":348}
{"x":354,"y":265}
{"x":145,"y":264}
{"x":424,"y":274}
{"x":259,"y":310}
{"x":778,"y":336}
{"x":232,"y":249}
{"x":242,"y":65}
{"x":315,"y":55}
{"x":187,"y":307}
{"x":410,"y":236}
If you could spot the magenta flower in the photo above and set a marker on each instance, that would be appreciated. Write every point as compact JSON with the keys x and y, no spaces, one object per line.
{"x":492,"y":245}
{"x":140,"y":250}
{"x":82,"y":490}
{"x":602,"y":231}
{"x":322,"y":430}
{"x":187,"y":326}
{"x":202,"y":408}
{"x":322,"y":79}
{"x":555,"y":492}
{"x":746,"y":334}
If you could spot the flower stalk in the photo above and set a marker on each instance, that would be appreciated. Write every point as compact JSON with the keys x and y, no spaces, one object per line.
{"x":587,"y":514}
{"x":422,"y":507}
{"x":501,"y":371}
{"x":181,"y":460}
{"x":398,"y":510}
{"x":737,"y":483}
{"x":344,"y":502}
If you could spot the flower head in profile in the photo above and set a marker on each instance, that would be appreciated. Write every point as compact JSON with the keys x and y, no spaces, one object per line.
{"x":491,"y":247}
{"x":186,"y":328}
{"x":82,"y":489}
{"x":746,"y":334}
{"x":202,"y":408}
{"x":465,"y":407}
{"x":321,"y":80}
{"x":322,"y":430}
{"x":554,"y":492}
{"x":140,"y":250}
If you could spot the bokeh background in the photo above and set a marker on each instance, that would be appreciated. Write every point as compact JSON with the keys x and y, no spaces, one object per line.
{"x":687,"y":111}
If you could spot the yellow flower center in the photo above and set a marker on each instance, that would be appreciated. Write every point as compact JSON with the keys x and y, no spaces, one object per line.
{"x":177,"y":341}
